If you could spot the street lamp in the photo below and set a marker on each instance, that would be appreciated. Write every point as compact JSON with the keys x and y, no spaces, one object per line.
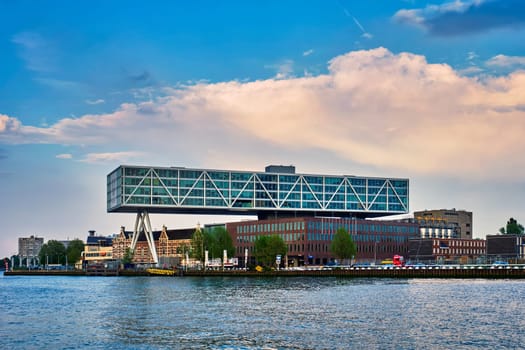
{"x":375,"y":251}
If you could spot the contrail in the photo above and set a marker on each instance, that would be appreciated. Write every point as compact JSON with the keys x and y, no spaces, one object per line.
{"x":348,"y":14}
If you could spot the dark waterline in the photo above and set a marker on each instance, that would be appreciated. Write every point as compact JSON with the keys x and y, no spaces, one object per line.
{"x":259,"y":313}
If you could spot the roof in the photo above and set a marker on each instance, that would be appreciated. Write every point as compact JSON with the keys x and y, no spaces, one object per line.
{"x":174,"y":234}
{"x":99,"y":240}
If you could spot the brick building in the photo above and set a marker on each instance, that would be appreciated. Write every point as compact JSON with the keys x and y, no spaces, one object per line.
{"x":460,"y":219}
{"x":442,"y":250}
{"x":170,"y":245}
{"x":309,"y":238}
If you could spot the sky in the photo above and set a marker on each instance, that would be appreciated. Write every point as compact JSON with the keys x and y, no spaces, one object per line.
{"x":433,"y":91}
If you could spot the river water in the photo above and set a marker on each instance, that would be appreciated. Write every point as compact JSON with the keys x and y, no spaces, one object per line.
{"x":49,"y":312}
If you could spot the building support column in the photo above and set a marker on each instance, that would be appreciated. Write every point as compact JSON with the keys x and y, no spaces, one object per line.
{"x":143,"y":224}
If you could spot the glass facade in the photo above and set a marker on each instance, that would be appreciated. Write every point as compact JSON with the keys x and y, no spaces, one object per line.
{"x":130,"y":188}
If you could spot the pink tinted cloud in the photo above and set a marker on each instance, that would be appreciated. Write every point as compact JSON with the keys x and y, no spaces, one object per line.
{"x":373,"y":107}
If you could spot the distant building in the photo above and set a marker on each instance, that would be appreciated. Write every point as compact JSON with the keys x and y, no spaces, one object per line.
{"x":460,"y":221}
{"x":29,"y":248}
{"x":505,"y":247}
{"x":309,"y":238}
{"x":65,"y":243}
{"x":170,"y":245}
{"x":443,"y":250}
{"x":98,"y":249}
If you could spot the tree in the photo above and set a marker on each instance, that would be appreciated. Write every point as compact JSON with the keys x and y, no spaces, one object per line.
{"x":54,"y":251}
{"x":197,"y":244}
{"x":218,"y":240}
{"x":266,"y":248}
{"x":15,"y":260}
{"x":512,"y":228}
{"x":343,"y":246}
{"x":128,"y":256}
{"x":74,"y":251}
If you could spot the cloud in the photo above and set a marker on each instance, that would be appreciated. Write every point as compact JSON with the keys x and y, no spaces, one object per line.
{"x":376,"y":109}
{"x":471,"y":56}
{"x":308,"y":52}
{"x":38,"y":53}
{"x":58,"y":84}
{"x":64,"y":156}
{"x":506,"y":61}
{"x":95,"y":102}
{"x":465,"y":17}
{"x":141,"y":77}
{"x":284,"y":69}
{"x":111,"y":157}
{"x":470,"y":70}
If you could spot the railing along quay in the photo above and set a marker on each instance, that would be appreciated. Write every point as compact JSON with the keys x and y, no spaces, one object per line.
{"x":507,"y":272}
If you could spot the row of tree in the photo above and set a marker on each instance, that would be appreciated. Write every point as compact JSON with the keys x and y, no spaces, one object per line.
{"x":54,"y":252}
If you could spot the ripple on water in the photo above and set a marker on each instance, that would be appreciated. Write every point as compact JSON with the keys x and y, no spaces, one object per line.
{"x":259,"y":313}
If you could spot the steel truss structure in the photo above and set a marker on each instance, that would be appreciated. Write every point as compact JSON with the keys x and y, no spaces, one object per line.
{"x":203,"y":191}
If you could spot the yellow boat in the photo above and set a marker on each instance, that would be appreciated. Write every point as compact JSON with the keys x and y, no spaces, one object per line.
{"x":161,"y":272}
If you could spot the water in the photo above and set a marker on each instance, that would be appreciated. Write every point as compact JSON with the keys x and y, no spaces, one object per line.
{"x":39,"y":312}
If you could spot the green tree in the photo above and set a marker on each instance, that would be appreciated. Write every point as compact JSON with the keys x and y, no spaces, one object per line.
{"x":16,"y":261}
{"x":218,"y":240}
{"x":343,"y":246}
{"x":512,"y":228}
{"x":128,"y":256}
{"x":197,"y":244}
{"x":74,"y":251}
{"x":266,"y":248}
{"x":54,"y":251}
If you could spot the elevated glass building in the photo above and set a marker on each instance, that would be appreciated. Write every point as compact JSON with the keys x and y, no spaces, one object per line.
{"x":278,"y":191}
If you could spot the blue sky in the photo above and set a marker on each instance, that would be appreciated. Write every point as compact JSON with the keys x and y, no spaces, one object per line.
{"x":432,"y":91}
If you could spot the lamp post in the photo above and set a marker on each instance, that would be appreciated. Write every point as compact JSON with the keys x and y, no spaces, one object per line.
{"x":375,"y":252}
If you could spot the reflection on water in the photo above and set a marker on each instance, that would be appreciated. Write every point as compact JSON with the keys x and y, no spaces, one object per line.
{"x":259,"y":313}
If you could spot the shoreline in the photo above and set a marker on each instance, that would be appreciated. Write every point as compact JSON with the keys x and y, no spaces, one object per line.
{"x":490,"y":273}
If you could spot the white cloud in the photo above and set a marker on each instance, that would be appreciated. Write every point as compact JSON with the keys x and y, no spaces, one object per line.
{"x":506,"y":61}
{"x":111,"y":157}
{"x":284,"y":69}
{"x":375,"y":109}
{"x":95,"y":102}
{"x":58,"y":83}
{"x":64,"y":156}
{"x":419,"y":17}
{"x":308,"y":52}
{"x":471,"y":55}
{"x":37,"y":52}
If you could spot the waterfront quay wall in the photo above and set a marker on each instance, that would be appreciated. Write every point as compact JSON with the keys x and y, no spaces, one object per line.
{"x":459,"y":272}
